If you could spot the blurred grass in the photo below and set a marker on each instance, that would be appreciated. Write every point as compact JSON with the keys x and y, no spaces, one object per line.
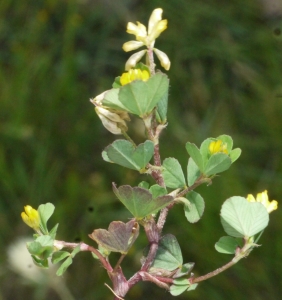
{"x":225,"y":78}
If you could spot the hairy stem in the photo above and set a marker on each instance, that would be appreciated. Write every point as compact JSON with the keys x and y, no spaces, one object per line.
{"x":213,"y":273}
{"x":84,"y":247}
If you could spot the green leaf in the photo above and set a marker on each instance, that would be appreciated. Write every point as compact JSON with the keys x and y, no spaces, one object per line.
{"x":139,"y":97}
{"x":195,"y":210}
{"x":157,"y":191}
{"x":192,"y":287}
{"x":173,"y":174}
{"x":53,"y":232}
{"x":111,"y":100}
{"x":116,"y":84}
{"x":204,"y":149}
{"x":176,"y":289}
{"x":169,"y":256}
{"x":181,"y":281}
{"x":227,"y":140}
{"x":139,"y":201}
{"x":45,"y":212}
{"x":184,"y":270}
{"x":196,"y":155}
{"x":75,"y":251}
{"x":123,"y":153}
{"x":241,"y":218}
{"x":193,"y":172}
{"x":41,"y":247}
{"x":235,"y":154}
{"x":161,"y":111}
{"x":227,"y":245}
{"x":59,"y":255}
{"x":217,"y":163}
{"x":41,"y":263}
{"x":64,"y":266}
{"x":144,"y":185}
{"x":105,"y":157}
{"x":118,"y":238}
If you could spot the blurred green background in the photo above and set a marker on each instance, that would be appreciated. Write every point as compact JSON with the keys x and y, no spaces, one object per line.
{"x":226,"y":77}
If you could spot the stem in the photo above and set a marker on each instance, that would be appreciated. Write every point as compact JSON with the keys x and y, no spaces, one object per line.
{"x":152,"y":65}
{"x":198,"y":182}
{"x":84,"y":247}
{"x":119,"y":262}
{"x":213,"y":273}
{"x":240,"y":253}
{"x":128,"y":138}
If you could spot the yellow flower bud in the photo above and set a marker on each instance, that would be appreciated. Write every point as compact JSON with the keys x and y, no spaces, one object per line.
{"x":263,"y":199}
{"x":217,"y":147}
{"x":31,"y":217}
{"x":163,"y":58}
{"x":134,"y":74}
{"x":133,"y":59}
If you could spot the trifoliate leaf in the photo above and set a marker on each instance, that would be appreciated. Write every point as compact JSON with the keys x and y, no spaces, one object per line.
{"x":140,"y":97}
{"x":241,"y":218}
{"x":123,"y":153}
{"x":139,"y":201}
{"x":118,"y":238}
{"x":169,"y":256}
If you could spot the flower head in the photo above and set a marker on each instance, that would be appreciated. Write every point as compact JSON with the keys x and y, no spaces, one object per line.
{"x":146,"y":38}
{"x":134,"y":74}
{"x":263,"y":199}
{"x":31,"y":217}
{"x":218,"y":146}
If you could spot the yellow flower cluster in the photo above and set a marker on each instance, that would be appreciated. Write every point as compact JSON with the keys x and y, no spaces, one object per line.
{"x":263,"y":199}
{"x":134,"y":74}
{"x":218,"y":146}
{"x":31,"y":217}
{"x":143,"y":38}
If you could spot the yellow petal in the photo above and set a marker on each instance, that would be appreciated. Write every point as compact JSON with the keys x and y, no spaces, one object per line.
{"x":157,"y":30}
{"x":273,"y":205}
{"x":133,"y":59}
{"x":155,"y":17}
{"x":251,"y":198}
{"x":132,"y":45}
{"x":134,"y":74}
{"x":31,"y":217}
{"x":263,"y":199}
{"x":163,"y":58}
{"x":138,"y":30}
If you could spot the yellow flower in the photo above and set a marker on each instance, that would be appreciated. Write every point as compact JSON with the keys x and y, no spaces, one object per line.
{"x":263,"y":199}
{"x":143,"y":38}
{"x":134,"y":74}
{"x":218,"y":146}
{"x":31,"y":217}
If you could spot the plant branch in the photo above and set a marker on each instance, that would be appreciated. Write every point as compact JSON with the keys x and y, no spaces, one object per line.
{"x":213,"y":273}
{"x":84,"y":247}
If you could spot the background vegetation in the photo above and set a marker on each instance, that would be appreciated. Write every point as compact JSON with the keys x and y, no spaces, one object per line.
{"x":225,"y":78}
